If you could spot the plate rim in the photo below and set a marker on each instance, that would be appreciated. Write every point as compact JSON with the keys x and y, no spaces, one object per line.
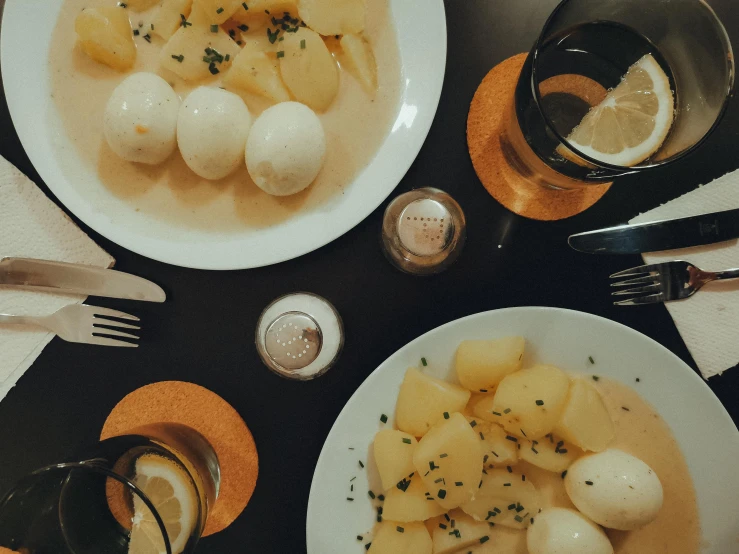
{"x":375,"y":374}
{"x":179,"y":254}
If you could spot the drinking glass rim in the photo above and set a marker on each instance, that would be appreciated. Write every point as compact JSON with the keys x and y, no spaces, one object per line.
{"x":95,"y":466}
{"x":624,"y":170}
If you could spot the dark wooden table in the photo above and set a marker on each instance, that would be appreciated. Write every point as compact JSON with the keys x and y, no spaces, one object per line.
{"x":205,"y":332}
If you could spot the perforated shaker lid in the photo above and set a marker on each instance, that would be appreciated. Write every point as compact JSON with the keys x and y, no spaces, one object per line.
{"x":300,"y":336}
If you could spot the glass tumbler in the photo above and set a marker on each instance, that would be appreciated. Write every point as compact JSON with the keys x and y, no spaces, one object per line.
{"x":583,"y":52}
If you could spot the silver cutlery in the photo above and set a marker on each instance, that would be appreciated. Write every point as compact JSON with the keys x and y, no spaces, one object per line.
{"x":655,"y":236}
{"x":81,"y":323}
{"x":648,"y":284}
{"x":78,"y":279}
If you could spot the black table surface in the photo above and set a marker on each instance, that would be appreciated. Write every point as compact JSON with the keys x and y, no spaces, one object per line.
{"x":205,"y":331}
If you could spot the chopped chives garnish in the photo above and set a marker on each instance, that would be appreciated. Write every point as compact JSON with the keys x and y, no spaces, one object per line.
{"x":494,"y":453}
{"x":152,"y":26}
{"x":523,"y":432}
{"x":532,"y":521}
{"x":534,"y":450}
{"x":446,"y":415}
{"x":351,"y":488}
{"x":596,"y":378}
{"x":179,"y":58}
{"x":184,"y":22}
{"x":136,"y":32}
{"x":424,"y":362}
{"x":403,"y":485}
{"x":350,"y":499}
{"x":244,"y":28}
{"x":506,"y":484}
{"x":539,"y":402}
{"x":219,"y":10}
{"x":439,"y":480}
{"x":490,"y":514}
{"x":383,"y":418}
{"x":147,"y":37}
{"x":564,"y":474}
{"x":214,"y":28}
{"x":511,"y":506}
{"x":518,"y":519}
{"x":447,"y":517}
{"x":442,"y":526}
{"x":302,"y":47}
{"x":213,"y":69}
{"x":507,"y":411}
{"x":638,"y":380}
{"x":245,"y":6}
{"x":482,"y":437}
{"x":360,"y":538}
{"x":562,"y":451}
{"x":485,"y":458}
{"x":452,"y":524}
{"x":625,"y":409}
{"x":592,"y":361}
{"x":519,"y":508}
{"x":473,"y":423}
{"x":399,"y":529}
{"x":480,"y":485}
{"x":589,"y":483}
{"x":367,"y":546}
{"x":281,"y":54}
{"x":361,"y":464}
{"x":523,"y":477}
{"x":351,"y":448}
{"x":406,"y":440}
{"x":371,"y":494}
{"x":381,"y":497}
{"x":458,"y":483}
{"x":483,"y":390}
{"x":510,"y":438}
{"x":441,"y":494}
{"x":228,"y":57}
{"x":122,"y":5}
{"x":443,"y":455}
{"x":509,"y":468}
{"x":484,"y":539}
{"x":497,"y":413}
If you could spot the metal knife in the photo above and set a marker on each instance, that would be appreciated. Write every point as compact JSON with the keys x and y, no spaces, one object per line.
{"x":77,"y":279}
{"x":660,"y":235}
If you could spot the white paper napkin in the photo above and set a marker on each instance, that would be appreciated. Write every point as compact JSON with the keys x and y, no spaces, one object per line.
{"x":708,"y":321}
{"x":32,"y":226}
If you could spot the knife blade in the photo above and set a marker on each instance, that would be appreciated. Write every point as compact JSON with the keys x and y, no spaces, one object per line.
{"x":77,"y":279}
{"x":669,"y":234}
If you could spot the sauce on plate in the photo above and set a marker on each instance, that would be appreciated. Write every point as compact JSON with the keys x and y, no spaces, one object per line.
{"x":355,"y":125}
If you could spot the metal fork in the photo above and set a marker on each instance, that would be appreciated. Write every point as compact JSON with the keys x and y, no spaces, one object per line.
{"x":667,"y":281}
{"x":78,"y":322}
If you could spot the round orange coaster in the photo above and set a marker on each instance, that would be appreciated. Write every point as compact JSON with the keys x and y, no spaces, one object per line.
{"x":215,"y":419}
{"x":489,"y":111}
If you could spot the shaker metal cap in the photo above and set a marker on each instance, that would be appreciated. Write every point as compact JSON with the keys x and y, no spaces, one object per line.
{"x":423,"y":231}
{"x":300,"y":336}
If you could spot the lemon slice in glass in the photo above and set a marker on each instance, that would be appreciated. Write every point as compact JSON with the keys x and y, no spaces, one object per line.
{"x":173,"y":494}
{"x":633,"y":120}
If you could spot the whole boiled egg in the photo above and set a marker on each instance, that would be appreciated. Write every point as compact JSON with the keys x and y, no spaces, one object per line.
{"x":615,"y":489}
{"x":140,"y":123}
{"x":564,"y":531}
{"x":286,"y":149}
{"x":212,"y":128}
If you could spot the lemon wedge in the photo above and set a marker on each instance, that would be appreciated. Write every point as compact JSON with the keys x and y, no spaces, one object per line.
{"x":173,"y":494}
{"x":633,"y":120}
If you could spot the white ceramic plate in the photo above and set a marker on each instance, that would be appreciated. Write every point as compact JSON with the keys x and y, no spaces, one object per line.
{"x":421,"y":32}
{"x":705,"y":432}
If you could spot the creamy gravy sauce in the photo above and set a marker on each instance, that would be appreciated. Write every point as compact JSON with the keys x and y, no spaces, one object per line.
{"x":640,"y":431}
{"x":355,"y":127}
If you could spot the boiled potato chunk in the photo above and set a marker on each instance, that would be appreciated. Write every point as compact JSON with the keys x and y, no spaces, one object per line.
{"x":105,"y":34}
{"x":394,"y":456}
{"x":497,"y":449}
{"x":308,"y":69}
{"x":189,"y":45}
{"x":411,"y":504}
{"x":585,"y":421}
{"x":423,"y":400}
{"x":361,"y":60}
{"x":255,"y":72}
{"x":401,"y":538}
{"x":333,"y":17}
{"x":482,"y":364}
{"x":449,"y":460}
{"x":505,"y":498}
{"x":219,"y":11}
{"x":169,"y":19}
{"x":466,"y":532}
{"x":550,"y":453}
{"x":484,"y":408}
{"x":140,"y":5}
{"x":530,"y":401}
{"x":502,"y":541}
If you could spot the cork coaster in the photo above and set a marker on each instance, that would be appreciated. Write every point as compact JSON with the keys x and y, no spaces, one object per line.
{"x":489,"y":111}
{"x":215,"y":419}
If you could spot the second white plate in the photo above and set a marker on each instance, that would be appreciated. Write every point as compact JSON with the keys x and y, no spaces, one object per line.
{"x":706,"y":434}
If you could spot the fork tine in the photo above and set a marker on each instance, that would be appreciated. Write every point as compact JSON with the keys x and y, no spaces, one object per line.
{"x":638,"y":281}
{"x":102,"y":341}
{"x":107,"y":312}
{"x":113,"y":333}
{"x":637,"y":290}
{"x":634,"y":271}
{"x":651,"y":299}
{"x":99,"y":322}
